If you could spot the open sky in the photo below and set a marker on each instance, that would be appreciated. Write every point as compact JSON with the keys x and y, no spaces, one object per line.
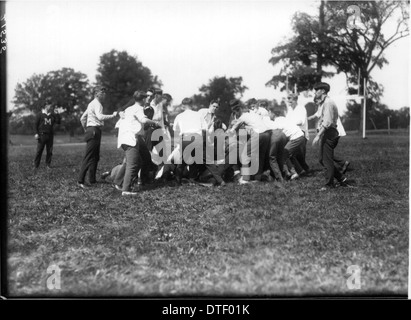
{"x":185,"y":43}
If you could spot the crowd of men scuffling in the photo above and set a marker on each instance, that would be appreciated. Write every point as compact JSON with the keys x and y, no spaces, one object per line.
{"x":259,"y":142}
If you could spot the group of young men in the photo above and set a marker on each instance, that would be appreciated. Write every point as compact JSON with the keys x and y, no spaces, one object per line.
{"x":258,"y":143}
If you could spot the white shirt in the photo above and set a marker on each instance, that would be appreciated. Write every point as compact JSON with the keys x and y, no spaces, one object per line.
{"x":159,"y":115}
{"x":93,"y":116}
{"x":291,"y":130}
{"x":206,"y":118}
{"x":299,"y":117}
{"x":158,"y":112}
{"x":130,"y":125}
{"x":188,"y":122}
{"x":253,"y":121}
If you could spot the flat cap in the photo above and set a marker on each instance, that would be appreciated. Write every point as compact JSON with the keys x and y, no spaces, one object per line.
{"x":322,"y":85}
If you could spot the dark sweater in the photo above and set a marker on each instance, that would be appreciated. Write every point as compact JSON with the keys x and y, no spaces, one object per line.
{"x":45,"y":123}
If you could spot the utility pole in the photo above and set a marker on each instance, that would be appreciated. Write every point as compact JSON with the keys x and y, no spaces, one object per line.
{"x":364,"y":108}
{"x":389,"y":125}
{"x":286,"y":84}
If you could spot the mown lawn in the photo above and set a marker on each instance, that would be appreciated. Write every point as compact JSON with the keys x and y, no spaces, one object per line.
{"x":252,"y":240}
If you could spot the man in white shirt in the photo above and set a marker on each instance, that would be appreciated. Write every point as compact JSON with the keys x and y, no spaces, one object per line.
{"x":208,"y":116}
{"x":257,"y":144}
{"x":131,"y":140}
{"x":92,"y":120}
{"x":295,"y":139}
{"x":188,"y":133}
{"x":298,"y":115}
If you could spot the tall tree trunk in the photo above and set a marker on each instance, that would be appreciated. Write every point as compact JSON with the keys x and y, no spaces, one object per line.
{"x":364,"y":75}
{"x":320,"y":51}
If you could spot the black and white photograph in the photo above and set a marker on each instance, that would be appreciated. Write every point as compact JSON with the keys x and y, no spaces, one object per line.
{"x":205,"y":149}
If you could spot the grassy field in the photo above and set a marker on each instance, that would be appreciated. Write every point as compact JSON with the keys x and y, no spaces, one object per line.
{"x":248,"y":240}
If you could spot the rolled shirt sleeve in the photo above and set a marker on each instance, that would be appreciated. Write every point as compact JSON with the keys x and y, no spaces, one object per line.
{"x":98,"y":111}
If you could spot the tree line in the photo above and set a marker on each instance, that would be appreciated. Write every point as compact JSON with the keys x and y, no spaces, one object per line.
{"x":348,"y":37}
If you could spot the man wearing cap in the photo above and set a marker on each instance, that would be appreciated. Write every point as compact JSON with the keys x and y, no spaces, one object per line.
{"x":44,"y":127}
{"x":92,"y":120}
{"x":327,"y":135}
{"x":298,"y":115}
{"x":342,"y":165}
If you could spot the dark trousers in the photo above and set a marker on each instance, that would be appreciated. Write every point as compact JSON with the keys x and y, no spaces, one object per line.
{"x":91,"y":156}
{"x":339,"y":163}
{"x":193,"y":168}
{"x":45,"y":140}
{"x":278,"y":140}
{"x":293,"y":153}
{"x":299,"y":158}
{"x":119,"y":173}
{"x":137,"y":158}
{"x":263,"y":141}
{"x":234,"y":149}
{"x":329,"y":142}
{"x":119,"y":176}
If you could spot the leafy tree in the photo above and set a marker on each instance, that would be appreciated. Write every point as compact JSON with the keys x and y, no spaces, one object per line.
{"x":29,"y":95}
{"x":224,"y":89}
{"x":328,"y":40}
{"x":122,"y":75}
{"x":68,"y":89}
